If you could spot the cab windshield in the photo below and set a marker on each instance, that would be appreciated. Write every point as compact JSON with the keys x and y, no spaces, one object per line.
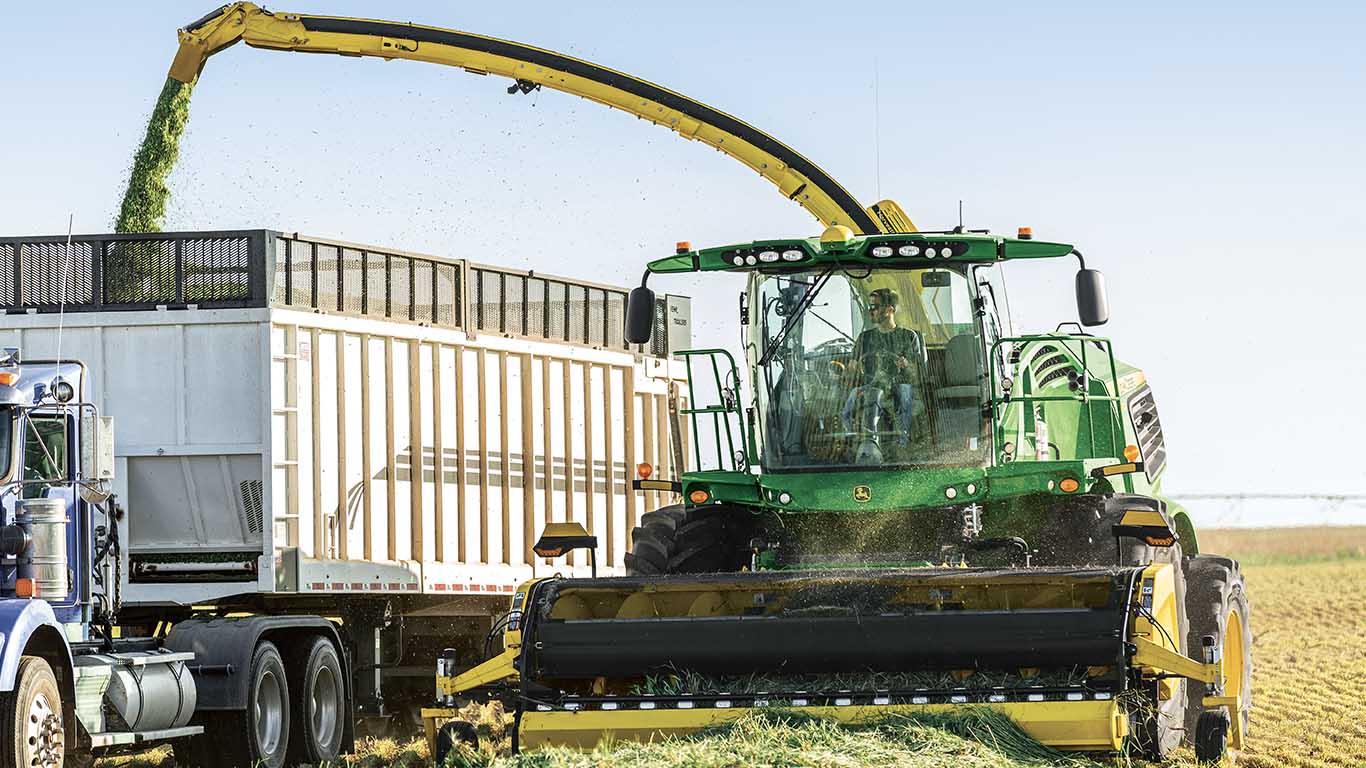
{"x":6,"y":442}
{"x":868,"y":367}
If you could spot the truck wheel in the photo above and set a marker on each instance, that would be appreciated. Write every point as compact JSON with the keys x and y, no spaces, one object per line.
{"x":1216,"y":602}
{"x":258,"y":737}
{"x":320,"y":709}
{"x":684,"y":539}
{"x":32,"y":717}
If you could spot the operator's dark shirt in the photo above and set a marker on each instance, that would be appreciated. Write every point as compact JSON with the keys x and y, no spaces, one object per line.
{"x":877,"y":351}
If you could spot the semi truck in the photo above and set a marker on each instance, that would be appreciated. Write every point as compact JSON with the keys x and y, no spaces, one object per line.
{"x":254,"y":481}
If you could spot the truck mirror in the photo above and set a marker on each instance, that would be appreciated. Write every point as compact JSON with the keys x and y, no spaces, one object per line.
{"x":1092,"y":305}
{"x":97,"y":450}
{"x":640,"y":315}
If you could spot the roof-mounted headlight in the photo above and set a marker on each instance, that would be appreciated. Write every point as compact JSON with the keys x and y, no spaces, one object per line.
{"x":794,"y":254}
{"x":909,"y":250}
{"x":62,"y":391}
{"x":768,"y":257}
{"x":882,"y":251}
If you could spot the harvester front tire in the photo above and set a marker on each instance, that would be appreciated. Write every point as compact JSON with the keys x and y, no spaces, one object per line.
{"x":1216,"y":598}
{"x":684,"y":539}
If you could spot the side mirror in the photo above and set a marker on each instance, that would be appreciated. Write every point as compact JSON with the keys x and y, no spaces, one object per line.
{"x":97,"y":451}
{"x":1093,"y":307}
{"x":640,"y":315}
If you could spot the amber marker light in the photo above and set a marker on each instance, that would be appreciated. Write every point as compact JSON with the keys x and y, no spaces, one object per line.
{"x":644,"y":470}
{"x":682,"y":246}
{"x":25,"y":588}
{"x":1131,"y":452}
{"x":699,"y":496}
{"x":1025,"y":233}
{"x":8,"y":378}
{"x":1069,"y":485}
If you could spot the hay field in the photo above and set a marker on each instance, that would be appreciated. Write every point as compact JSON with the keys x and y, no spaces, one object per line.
{"x":1308,"y":593}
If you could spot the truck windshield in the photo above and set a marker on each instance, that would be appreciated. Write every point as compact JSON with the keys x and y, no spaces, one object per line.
{"x":6,"y":442}
{"x":876,"y":367}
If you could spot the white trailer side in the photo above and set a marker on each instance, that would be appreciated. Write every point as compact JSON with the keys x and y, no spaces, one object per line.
{"x":305,"y":424}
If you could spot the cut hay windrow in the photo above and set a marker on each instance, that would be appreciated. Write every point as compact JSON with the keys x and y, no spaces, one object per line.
{"x":144,"y":201}
{"x":971,"y":739}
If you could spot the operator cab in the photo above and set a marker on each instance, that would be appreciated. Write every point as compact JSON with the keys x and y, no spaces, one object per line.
{"x":881,"y":350}
{"x":868,"y":366}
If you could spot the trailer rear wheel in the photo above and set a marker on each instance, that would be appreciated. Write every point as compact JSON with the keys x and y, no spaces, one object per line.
{"x":259,"y":736}
{"x":319,"y":703}
{"x":32,"y":730}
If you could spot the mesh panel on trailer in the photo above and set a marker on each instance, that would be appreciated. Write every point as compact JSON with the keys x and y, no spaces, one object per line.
{"x":53,"y":273}
{"x":300,"y":273}
{"x":140,"y":272}
{"x":7,"y":276}
{"x":659,"y":339}
{"x":281,"y":295}
{"x":216,"y":269}
{"x":597,"y":317}
{"x":326,"y":266}
{"x":352,"y":280}
{"x":514,"y":316}
{"x":376,"y":285}
{"x":535,"y":308}
{"x":578,"y":315}
{"x":448,"y":296}
{"x":400,"y":288}
{"x":489,"y":299}
{"x":558,"y":307}
{"x":616,"y":320}
{"x":424,"y":301}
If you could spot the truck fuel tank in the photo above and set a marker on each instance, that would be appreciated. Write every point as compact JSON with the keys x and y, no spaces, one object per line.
{"x":138,"y":691}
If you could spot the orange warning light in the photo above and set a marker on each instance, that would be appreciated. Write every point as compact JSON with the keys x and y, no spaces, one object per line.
{"x":1131,"y":453}
{"x":644,"y":470}
{"x":1025,"y":233}
{"x":683,"y":246}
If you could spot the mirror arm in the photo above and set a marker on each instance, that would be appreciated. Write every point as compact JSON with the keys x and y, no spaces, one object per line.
{"x":1081,"y":259}
{"x":644,"y":279}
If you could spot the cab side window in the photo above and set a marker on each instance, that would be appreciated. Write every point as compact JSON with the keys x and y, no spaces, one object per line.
{"x":45,"y":454}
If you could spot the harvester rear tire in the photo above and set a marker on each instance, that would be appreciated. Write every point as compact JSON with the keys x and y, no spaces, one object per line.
{"x":1216,"y":592}
{"x":685,"y":539}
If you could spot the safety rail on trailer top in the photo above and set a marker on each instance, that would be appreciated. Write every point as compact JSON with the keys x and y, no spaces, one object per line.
{"x":274,"y":394}
{"x":260,"y":268}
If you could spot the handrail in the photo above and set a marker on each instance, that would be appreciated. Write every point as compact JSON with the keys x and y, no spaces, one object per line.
{"x":719,"y":413}
{"x":1081,"y":395}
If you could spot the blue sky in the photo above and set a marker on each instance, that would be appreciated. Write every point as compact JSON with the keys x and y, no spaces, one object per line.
{"x":1209,"y":159}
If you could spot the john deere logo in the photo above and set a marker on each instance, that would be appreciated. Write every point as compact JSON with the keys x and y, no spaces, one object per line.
{"x":863,"y":493}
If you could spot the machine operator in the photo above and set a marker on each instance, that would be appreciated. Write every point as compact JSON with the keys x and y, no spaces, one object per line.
{"x":887,"y":361}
